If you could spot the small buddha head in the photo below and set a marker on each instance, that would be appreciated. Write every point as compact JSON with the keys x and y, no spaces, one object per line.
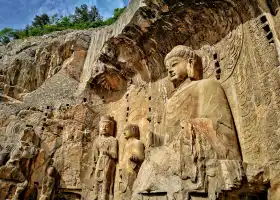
{"x":182,"y":62}
{"x":106,"y":126}
{"x":51,"y":171}
{"x":131,"y":131}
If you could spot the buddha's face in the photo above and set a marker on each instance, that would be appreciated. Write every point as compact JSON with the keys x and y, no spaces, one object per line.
{"x":105,"y":128}
{"x":51,"y":171}
{"x":127,"y":133}
{"x":179,"y":68}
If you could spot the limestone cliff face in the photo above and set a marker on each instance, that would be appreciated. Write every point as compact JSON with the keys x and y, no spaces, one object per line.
{"x":26,"y":65}
{"x":54,"y":88}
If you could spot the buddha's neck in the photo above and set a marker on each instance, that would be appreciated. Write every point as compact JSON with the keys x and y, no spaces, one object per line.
{"x":178,"y":86}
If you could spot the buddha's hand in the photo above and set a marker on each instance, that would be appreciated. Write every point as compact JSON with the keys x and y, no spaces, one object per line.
{"x":106,"y":153}
{"x":134,"y":158}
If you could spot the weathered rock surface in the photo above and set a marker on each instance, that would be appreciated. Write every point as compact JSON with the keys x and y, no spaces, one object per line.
{"x":216,"y":138}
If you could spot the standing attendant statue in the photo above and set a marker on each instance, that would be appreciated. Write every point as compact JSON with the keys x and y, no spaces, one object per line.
{"x":132,"y":159}
{"x":48,"y":184}
{"x":105,"y":156}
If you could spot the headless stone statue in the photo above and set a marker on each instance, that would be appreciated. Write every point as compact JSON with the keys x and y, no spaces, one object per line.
{"x":26,"y":148}
{"x":12,"y":156}
{"x":105,"y":155}
{"x":48,"y":184}
{"x":133,"y":156}
{"x":4,"y":154}
{"x":19,"y":191}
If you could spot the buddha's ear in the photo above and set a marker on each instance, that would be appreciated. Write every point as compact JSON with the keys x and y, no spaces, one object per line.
{"x":197,"y":69}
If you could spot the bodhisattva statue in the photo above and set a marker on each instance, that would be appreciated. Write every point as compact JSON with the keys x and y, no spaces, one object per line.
{"x":133,"y":156}
{"x":105,"y":155}
{"x":48,"y":184}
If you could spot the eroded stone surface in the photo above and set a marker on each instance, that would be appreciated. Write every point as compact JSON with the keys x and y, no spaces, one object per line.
{"x":214,"y":136}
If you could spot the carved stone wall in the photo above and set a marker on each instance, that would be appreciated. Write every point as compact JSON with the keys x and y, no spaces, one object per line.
{"x":119,"y":71}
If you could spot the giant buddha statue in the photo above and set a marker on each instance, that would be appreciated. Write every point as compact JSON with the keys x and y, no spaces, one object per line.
{"x":199,"y":137}
{"x":198,"y":101}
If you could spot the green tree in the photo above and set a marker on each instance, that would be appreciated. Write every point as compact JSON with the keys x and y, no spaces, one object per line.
{"x":6,"y":35}
{"x":40,"y":21}
{"x":83,"y":18}
{"x":94,"y":14}
{"x":81,"y":14}
{"x":65,"y":22}
{"x":118,"y":12}
{"x":54,"y":19}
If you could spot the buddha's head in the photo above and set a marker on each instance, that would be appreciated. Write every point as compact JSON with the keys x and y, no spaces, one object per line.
{"x":131,"y":131}
{"x":51,"y":171}
{"x":182,"y":62}
{"x":106,"y":126}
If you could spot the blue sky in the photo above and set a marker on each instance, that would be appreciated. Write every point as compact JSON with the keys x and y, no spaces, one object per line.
{"x":18,"y":13}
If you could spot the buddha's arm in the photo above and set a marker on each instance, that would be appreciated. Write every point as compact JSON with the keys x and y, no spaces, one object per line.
{"x":138,"y":154}
{"x":213,"y":105}
{"x":95,"y":153}
{"x":113,"y":153}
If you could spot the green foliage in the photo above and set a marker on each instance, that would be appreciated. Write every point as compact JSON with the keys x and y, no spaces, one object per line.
{"x":65,"y":22}
{"x":94,"y":14}
{"x":40,"y":21}
{"x":83,"y":18}
{"x":5,"y":35}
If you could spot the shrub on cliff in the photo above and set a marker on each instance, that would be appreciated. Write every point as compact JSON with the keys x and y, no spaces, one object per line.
{"x":84,"y":17}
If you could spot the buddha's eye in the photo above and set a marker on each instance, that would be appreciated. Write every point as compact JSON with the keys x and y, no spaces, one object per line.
{"x":174,"y":64}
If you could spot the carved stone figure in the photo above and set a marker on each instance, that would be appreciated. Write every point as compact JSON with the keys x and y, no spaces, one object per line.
{"x":4,"y":154}
{"x":26,"y":148}
{"x":105,"y":155}
{"x":33,"y":192}
{"x":48,"y":184}
{"x":198,"y":113}
{"x":12,"y":155}
{"x":198,"y":130}
{"x":20,"y":189}
{"x":195,"y":98}
{"x":131,"y":162}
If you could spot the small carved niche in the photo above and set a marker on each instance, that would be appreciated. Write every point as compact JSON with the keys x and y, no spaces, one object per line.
{"x":215,"y":56}
{"x":217,"y":66}
{"x":127,"y":108}
{"x":251,"y":196}
{"x":265,"y":26}
{"x":154,"y":196}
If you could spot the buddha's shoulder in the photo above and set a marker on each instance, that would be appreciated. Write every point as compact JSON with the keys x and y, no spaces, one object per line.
{"x":205,"y":86}
{"x":209,"y":84}
{"x":134,"y":142}
{"x":202,"y":84}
